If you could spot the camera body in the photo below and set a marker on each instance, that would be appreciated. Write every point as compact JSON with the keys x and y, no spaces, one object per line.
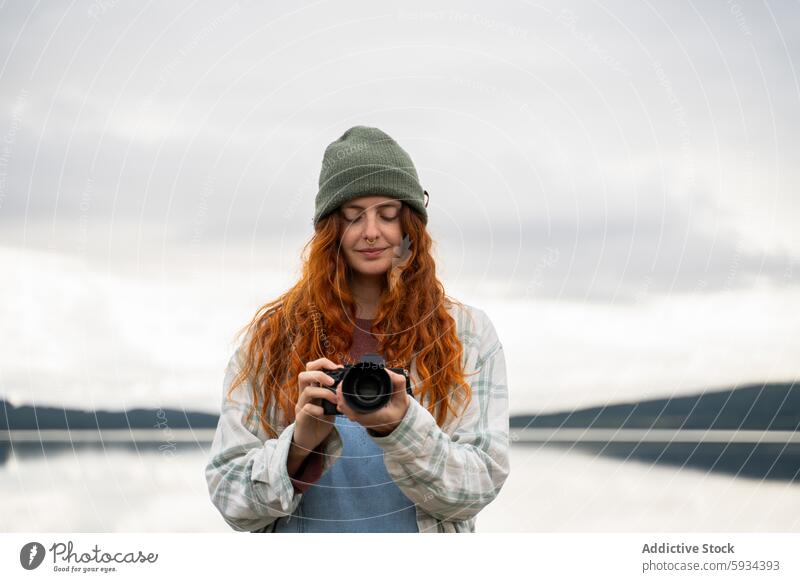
{"x":366,"y":386}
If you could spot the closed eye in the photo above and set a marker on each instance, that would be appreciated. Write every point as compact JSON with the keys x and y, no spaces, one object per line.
{"x":360,"y":216}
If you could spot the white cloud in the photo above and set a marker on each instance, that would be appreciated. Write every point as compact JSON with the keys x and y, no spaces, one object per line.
{"x":161,"y":332}
{"x":530,"y":132}
{"x":158,"y":331}
{"x":563,"y":355}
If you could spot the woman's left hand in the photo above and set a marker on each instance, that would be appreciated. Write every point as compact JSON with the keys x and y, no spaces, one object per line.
{"x":386,"y":419}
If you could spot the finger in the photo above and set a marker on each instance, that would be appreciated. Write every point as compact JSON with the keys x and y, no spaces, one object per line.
{"x":345,"y":409}
{"x":395,"y":377}
{"x":314,"y":378}
{"x":340,"y":403}
{"x":322,"y":364}
{"x":398,"y":383}
{"x":313,"y":392}
{"x":313,"y":410}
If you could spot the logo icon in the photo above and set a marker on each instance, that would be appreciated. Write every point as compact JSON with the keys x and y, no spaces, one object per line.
{"x":31,"y":555}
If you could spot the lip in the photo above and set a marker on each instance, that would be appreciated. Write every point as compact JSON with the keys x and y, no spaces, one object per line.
{"x":371,"y":254}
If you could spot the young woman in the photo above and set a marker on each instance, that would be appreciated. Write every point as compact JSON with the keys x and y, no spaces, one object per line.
{"x":427,"y":462}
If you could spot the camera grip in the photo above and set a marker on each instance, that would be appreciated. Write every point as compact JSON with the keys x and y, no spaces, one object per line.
{"x":329,"y":407}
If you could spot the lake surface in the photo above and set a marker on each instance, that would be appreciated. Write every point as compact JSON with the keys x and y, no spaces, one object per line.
{"x":117,"y":487}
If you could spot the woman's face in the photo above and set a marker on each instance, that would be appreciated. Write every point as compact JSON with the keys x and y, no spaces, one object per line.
{"x":371,"y":218}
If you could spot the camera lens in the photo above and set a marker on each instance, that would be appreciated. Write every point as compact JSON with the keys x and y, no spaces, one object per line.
{"x":367,"y":390}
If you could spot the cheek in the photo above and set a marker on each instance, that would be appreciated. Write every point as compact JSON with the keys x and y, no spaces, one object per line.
{"x":348,"y":240}
{"x":394,"y":233}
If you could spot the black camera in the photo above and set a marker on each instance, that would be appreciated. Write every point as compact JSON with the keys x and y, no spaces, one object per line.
{"x":365,"y":385}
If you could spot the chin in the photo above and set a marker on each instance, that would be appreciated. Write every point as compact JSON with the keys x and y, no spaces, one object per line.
{"x":371,"y":268}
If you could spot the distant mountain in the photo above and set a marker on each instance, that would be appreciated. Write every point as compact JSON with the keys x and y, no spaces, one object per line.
{"x":43,"y":417}
{"x":753,"y":407}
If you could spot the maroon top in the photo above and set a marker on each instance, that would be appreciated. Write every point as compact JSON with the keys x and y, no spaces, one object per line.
{"x":363,"y":341}
{"x":310,"y":470}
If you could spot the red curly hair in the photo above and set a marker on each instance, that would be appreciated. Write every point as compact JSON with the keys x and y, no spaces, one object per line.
{"x":316,"y":319}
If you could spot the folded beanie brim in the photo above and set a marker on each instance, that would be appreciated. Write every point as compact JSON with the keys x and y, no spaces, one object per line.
{"x":365,"y":161}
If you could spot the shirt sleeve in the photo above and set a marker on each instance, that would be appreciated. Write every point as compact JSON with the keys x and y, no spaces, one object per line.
{"x":248,"y":480}
{"x":311,"y":469}
{"x":453,"y":476}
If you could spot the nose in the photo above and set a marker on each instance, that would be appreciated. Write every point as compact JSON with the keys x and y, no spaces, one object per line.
{"x":371,"y":231}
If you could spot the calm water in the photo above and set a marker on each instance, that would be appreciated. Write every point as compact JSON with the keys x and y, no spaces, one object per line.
{"x":551,"y":488}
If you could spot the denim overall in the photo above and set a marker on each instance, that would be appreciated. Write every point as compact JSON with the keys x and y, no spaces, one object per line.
{"x":356,"y":494}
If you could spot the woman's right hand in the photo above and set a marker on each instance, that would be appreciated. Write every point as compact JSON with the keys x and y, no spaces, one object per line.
{"x":312,"y":425}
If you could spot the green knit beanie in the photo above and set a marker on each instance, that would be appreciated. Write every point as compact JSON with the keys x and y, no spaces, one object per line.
{"x":365,"y":161}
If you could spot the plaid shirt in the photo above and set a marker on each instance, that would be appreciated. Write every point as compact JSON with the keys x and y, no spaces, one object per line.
{"x":450,"y":473}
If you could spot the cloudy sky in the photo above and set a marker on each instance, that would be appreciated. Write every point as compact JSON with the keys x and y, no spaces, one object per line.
{"x":616,"y":185}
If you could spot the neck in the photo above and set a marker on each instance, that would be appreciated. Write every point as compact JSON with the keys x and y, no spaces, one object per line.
{"x":367,"y":292}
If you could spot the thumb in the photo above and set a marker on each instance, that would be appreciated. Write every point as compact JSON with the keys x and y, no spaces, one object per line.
{"x":398,"y":384}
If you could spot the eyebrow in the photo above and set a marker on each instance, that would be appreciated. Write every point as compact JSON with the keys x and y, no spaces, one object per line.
{"x":390,"y":203}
